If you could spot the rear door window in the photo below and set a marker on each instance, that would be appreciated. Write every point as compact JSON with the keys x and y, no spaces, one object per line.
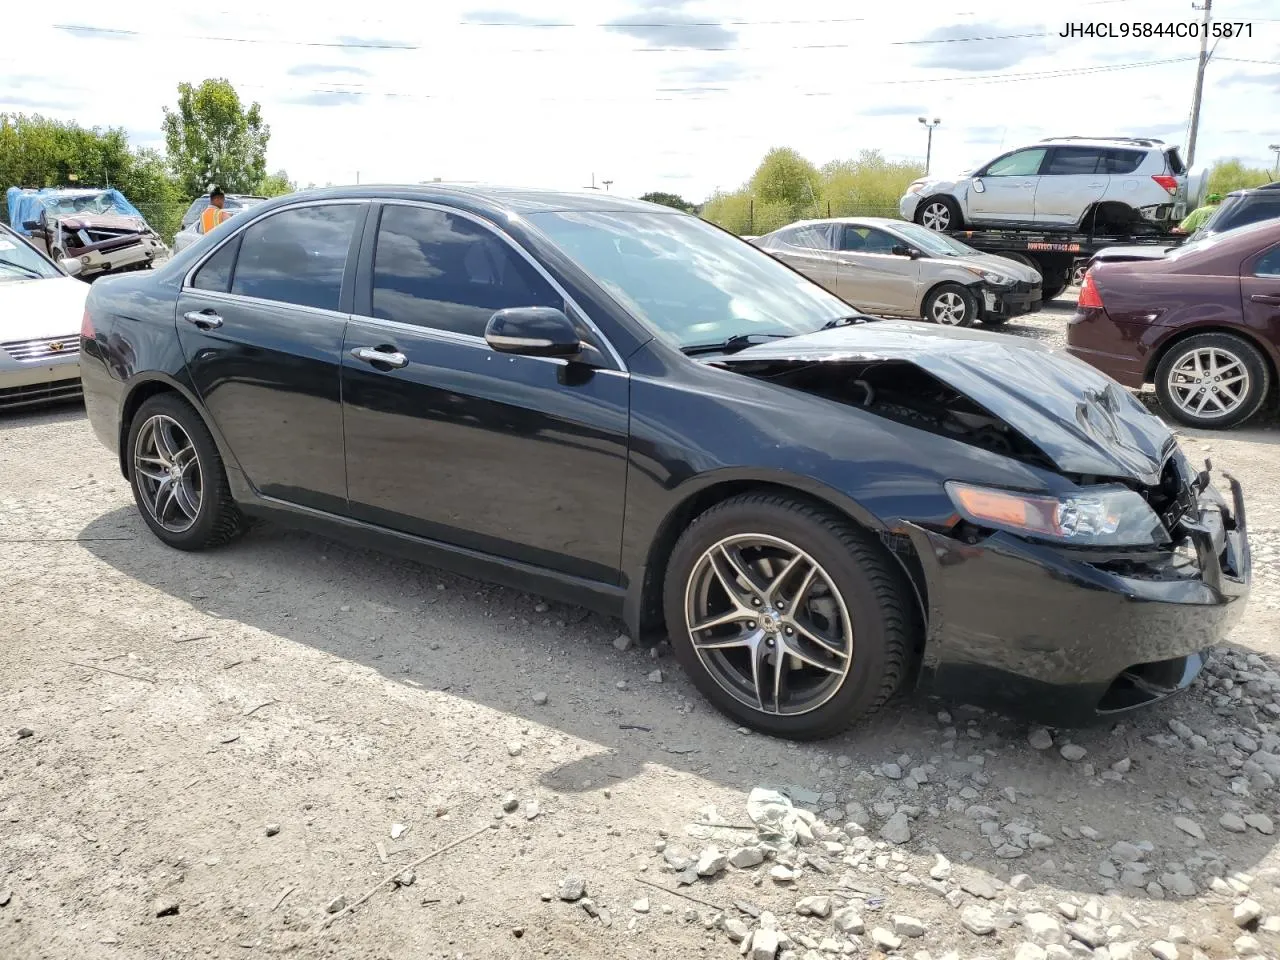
{"x":215,"y":273}
{"x":1072,"y":161}
{"x":1268,"y":264}
{"x":297,"y":256}
{"x":1252,"y":211}
{"x":811,"y":236}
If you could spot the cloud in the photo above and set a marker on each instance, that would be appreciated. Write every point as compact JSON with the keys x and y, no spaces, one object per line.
{"x":495,"y":15}
{"x":1260,"y":79}
{"x":321,"y":69}
{"x":325,"y":98}
{"x":10,"y":100}
{"x":698,"y":73}
{"x":894,"y":110}
{"x":353,"y":44}
{"x":664,"y":23}
{"x":95,"y":33}
{"x":957,"y":47}
{"x":1158,"y":129}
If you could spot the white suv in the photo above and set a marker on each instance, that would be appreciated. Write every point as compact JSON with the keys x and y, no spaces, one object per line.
{"x":1063,"y":183}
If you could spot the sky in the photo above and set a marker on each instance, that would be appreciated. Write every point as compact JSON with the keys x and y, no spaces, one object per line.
{"x":682,"y":96}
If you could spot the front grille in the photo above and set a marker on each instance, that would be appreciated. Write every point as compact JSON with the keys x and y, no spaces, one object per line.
{"x":43,"y":348}
{"x":38,"y":393}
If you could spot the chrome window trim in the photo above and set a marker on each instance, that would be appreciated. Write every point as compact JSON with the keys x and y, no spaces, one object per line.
{"x":240,"y":298}
{"x":186,"y":277}
{"x":521,"y":251}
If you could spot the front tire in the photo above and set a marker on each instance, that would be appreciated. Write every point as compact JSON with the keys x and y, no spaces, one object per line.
{"x":939,"y":214}
{"x":1212,"y":381}
{"x":177,"y":476}
{"x":786,"y":616}
{"x":951,"y":305}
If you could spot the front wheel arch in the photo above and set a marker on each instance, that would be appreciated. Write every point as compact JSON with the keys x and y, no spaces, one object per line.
{"x":643,"y":612}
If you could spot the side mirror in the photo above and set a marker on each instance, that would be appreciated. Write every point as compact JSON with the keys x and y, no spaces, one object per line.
{"x":902,"y":250}
{"x":71,"y":265}
{"x":30,"y":224}
{"x":533,"y":332}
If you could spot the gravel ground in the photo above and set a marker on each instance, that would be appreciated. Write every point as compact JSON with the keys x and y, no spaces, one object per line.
{"x":203,"y":754}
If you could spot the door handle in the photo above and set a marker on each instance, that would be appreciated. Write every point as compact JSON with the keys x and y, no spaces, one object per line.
{"x":204,"y":319}
{"x":1271,"y":299}
{"x":391,"y":358}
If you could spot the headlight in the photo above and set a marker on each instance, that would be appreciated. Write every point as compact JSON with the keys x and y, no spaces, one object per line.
{"x":1105,"y":516}
{"x":995,"y":279}
{"x":916,"y":187}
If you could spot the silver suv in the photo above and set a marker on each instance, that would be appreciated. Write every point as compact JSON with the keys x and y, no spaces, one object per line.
{"x":1098,"y":185}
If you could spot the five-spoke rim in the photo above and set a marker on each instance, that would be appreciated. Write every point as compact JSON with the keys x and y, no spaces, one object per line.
{"x":1209,"y":383}
{"x":768,"y":624}
{"x":168,"y":473}
{"x":936,"y":216}
{"x":949,"y":308}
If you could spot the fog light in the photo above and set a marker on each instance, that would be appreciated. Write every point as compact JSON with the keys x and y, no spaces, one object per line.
{"x":85,"y":259}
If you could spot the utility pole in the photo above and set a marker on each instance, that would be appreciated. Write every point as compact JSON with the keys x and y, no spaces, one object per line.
{"x":1195,"y":101}
{"x":928,"y":150}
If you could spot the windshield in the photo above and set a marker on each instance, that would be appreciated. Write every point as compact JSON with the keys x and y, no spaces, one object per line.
{"x":931,"y":242}
{"x":690,"y":282}
{"x":18,"y":261}
{"x":90,"y":203}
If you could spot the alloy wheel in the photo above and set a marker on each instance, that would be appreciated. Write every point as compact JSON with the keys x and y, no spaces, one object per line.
{"x":936,"y":216}
{"x":1209,"y":383}
{"x":768,"y":624}
{"x":168,"y":473}
{"x":949,"y":309}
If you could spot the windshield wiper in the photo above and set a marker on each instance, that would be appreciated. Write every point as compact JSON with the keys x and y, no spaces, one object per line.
{"x":732,"y":344}
{"x":25,"y":271}
{"x":848,"y":321}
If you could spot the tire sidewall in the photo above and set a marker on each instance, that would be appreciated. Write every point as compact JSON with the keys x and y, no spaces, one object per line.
{"x":953,"y":209}
{"x":203,"y":529}
{"x":1249,"y":356}
{"x":859,"y":692}
{"x":970,"y":302}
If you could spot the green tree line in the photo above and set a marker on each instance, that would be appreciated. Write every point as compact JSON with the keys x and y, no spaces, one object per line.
{"x":211,"y":136}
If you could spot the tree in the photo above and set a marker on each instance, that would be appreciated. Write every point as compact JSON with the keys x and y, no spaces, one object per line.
{"x":38,"y":152}
{"x":669,"y":200}
{"x":275,"y":185}
{"x":784,"y":177}
{"x":1228,"y":175}
{"x":212,"y":138}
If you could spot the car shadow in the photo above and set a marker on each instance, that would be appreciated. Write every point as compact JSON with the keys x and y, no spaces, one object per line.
{"x":55,"y":411}
{"x":427,"y":629}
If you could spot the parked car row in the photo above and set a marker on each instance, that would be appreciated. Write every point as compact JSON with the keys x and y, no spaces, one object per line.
{"x":620,"y":405}
{"x":192,"y":228}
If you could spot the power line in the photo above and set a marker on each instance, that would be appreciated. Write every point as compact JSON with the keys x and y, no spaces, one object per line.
{"x":343,"y":44}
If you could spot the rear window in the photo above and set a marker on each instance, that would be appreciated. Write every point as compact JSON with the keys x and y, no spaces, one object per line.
{"x":1173,"y":160}
{"x":1262,"y":208}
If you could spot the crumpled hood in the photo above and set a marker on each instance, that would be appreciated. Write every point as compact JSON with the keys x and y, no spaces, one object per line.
{"x":103,"y":221}
{"x":996,"y":263}
{"x":1081,"y":419}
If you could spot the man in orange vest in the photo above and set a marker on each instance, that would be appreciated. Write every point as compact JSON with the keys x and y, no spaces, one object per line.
{"x":214,"y":214}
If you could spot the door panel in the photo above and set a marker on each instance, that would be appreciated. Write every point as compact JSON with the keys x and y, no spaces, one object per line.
{"x":1008,"y":188}
{"x":518,"y":457}
{"x":873,"y":278}
{"x":513,"y":456}
{"x":808,"y":248}
{"x":1072,"y":179}
{"x":1260,"y":297}
{"x":268,"y":370}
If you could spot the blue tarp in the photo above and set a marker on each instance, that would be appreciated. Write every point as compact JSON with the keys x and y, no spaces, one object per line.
{"x":28,"y":204}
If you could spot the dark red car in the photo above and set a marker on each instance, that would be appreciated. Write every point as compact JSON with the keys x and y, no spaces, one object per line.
{"x":1202,"y":324}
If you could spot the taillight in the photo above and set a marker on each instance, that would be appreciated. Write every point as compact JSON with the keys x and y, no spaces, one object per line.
{"x":1166,"y":181}
{"x":86,"y":326}
{"x":1089,"y":296}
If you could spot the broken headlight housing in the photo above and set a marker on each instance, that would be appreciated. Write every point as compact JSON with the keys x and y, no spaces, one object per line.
{"x":1103,"y":516}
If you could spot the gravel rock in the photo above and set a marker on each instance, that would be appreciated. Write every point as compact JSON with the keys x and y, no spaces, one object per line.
{"x":1247,"y":946}
{"x":764,"y":944}
{"x":1040,"y":739}
{"x":540,"y":698}
{"x":848,"y":920}
{"x":897,"y":829}
{"x":885,"y":939}
{"x":641,"y":905}
{"x":398,"y":830}
{"x":905,"y":926}
{"x":655,"y":676}
{"x":1180,"y":729}
{"x":711,"y":862}
{"x":168,"y":907}
{"x":1260,"y":822}
{"x":978,"y":920}
{"x":814,"y":907}
{"x":1232,"y":822}
{"x":1247,"y":913}
{"x":783,"y":874}
{"x":941,"y":869}
{"x":978,"y":886}
{"x":1124,"y":950}
{"x":1007,"y":851}
{"x":1123,"y":765}
{"x":510,"y":803}
{"x":272,"y":829}
{"x":1087,"y":932}
{"x":24,"y":732}
{"x":1029,"y":951}
{"x":1179,"y":883}
{"x":1189,"y":827}
{"x":622,"y":643}
{"x":1073,"y":752}
{"x":736,"y":929}
{"x":1126,"y":852}
{"x":572,"y":888}
{"x":746,"y":857}
{"x":514,"y":748}
{"x":1164,"y":950}
{"x":1021,"y":882}
{"x":1042,"y":927}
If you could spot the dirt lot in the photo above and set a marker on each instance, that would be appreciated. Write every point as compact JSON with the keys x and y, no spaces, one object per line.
{"x":235,"y":739}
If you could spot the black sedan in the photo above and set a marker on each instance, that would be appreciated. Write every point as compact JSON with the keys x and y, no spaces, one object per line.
{"x":620,"y":405}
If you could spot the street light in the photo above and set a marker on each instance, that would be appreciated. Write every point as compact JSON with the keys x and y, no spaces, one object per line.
{"x":1275,"y":147}
{"x":928,"y":153}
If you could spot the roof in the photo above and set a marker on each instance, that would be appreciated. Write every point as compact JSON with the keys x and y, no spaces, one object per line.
{"x":486,"y":199}
{"x":1144,"y":142}
{"x":858,"y":221}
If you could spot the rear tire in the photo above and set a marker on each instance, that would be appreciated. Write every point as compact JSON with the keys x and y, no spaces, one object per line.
{"x":1048,"y":293}
{"x":951,"y":305}
{"x":854,"y":588}
{"x":939,"y":214}
{"x":178,"y":480}
{"x":1190,"y":395}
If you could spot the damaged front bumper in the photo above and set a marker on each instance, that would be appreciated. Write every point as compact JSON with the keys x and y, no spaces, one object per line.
{"x":1009,"y":301}
{"x":1067,"y":635}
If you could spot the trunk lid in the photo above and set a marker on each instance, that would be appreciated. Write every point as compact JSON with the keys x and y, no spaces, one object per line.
{"x":1081,"y":419}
